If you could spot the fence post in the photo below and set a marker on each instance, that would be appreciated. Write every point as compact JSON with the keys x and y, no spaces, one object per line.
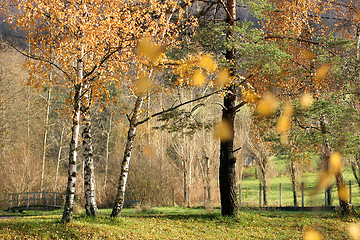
{"x":302,"y":194}
{"x":27,"y":201}
{"x":17,"y":200}
{"x":240,"y":195}
{"x":325,"y":197}
{"x":349,"y":191}
{"x":54,"y":198}
{"x":329,"y":196}
{"x":280,"y":194}
{"x":34,"y":198}
{"x":10,"y":200}
{"x":260,"y":195}
{"x":47,"y":200}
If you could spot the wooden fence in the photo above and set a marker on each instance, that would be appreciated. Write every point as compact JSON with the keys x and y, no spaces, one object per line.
{"x":301,"y":200}
{"x":36,"y":200}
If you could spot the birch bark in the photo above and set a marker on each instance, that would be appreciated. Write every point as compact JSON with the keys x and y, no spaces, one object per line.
{"x":89,"y":174}
{"x":70,"y":189}
{"x":120,"y":196}
{"x":75,"y":129}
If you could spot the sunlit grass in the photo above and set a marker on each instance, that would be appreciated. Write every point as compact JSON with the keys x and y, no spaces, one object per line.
{"x":176,"y":223}
{"x":250,"y":187}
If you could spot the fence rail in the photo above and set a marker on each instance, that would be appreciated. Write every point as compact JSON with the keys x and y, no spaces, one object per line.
{"x":305,"y":199}
{"x":36,"y":200}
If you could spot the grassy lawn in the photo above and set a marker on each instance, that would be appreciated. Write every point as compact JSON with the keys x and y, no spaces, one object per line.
{"x":250,"y":187}
{"x":175,"y":223}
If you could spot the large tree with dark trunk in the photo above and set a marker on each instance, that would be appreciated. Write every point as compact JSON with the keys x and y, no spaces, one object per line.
{"x":229,"y":204}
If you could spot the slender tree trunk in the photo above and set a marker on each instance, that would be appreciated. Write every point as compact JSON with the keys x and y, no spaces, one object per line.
{"x":264,"y":180}
{"x":190,"y":181}
{"x":355,"y":169}
{"x":59,"y":157}
{"x":265,"y":193}
{"x":184,"y":180}
{"x":48,"y":99}
{"x":203,"y":175}
{"x":70,"y":190}
{"x":119,"y":201}
{"x":208,"y":185}
{"x":89,"y":174}
{"x":5,"y":130}
{"x":294,"y":184}
{"x":340,"y":183}
{"x":107,"y":152}
{"x":229,"y":203}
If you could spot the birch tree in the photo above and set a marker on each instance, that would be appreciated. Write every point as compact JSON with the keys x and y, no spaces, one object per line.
{"x":92,"y":46}
{"x":163,"y":31}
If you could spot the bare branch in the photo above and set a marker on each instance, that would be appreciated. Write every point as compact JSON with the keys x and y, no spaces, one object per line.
{"x":237,"y":149}
{"x":226,"y":10}
{"x":291,"y":38}
{"x":177,"y":106}
{"x":236,"y":108}
{"x":31,"y":56}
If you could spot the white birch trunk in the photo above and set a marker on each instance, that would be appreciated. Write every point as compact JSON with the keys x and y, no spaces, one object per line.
{"x":89,"y":174}
{"x":119,"y":201}
{"x":70,"y":190}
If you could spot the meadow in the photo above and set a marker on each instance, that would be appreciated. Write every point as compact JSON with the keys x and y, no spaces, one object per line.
{"x":250,"y":186}
{"x":175,"y":223}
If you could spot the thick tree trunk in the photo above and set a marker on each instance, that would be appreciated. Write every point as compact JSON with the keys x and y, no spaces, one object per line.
{"x":70,"y":190}
{"x":229,"y":206}
{"x":340,"y":183}
{"x":229,"y":203}
{"x":119,"y":201}
{"x":89,"y":174}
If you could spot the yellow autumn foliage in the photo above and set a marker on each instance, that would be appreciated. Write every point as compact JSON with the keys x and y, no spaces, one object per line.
{"x":268,"y":105}
{"x":223,"y":131}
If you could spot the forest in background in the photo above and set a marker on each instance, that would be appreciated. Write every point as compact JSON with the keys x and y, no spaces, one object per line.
{"x":176,"y":155}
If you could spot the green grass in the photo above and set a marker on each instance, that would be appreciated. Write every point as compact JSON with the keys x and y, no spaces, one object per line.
{"x":176,"y":223}
{"x":250,"y":187}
